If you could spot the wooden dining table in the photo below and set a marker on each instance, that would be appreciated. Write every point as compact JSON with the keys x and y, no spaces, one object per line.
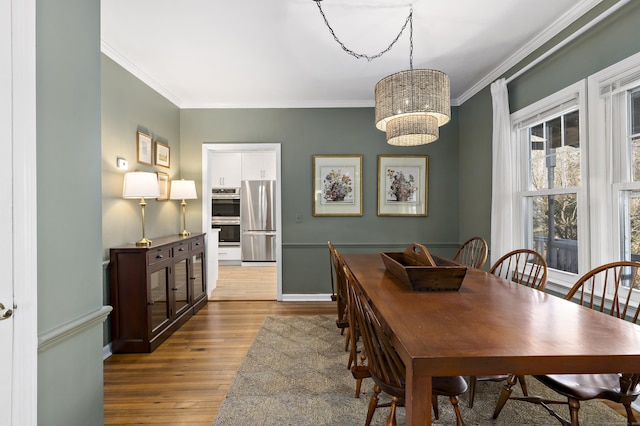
{"x":489,"y":326}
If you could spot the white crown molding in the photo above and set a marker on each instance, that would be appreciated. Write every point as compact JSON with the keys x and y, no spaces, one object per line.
{"x":138,"y":73}
{"x":554,"y":29}
{"x":283,"y":104}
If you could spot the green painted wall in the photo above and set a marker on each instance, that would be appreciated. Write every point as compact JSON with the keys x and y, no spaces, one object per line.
{"x":69,"y":208}
{"x":129,"y":106}
{"x":609,"y":42}
{"x":305,"y":132}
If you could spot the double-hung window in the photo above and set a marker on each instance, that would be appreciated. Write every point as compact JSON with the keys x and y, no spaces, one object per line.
{"x":629,"y":195}
{"x":550,"y":146}
{"x":615,"y":120}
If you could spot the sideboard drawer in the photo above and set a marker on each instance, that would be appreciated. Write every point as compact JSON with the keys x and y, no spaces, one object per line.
{"x":181,"y":249}
{"x":156,"y":256}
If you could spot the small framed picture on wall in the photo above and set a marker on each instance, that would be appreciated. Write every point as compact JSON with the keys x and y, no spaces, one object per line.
{"x":163,"y":185}
{"x":162,"y":155}
{"x":337,"y":185}
{"x":144,"y":149}
{"x":402,"y":185}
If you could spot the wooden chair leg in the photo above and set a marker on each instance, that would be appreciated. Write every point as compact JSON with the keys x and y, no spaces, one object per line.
{"x":346,"y":338}
{"x":631,"y":419}
{"x":523,"y":385}
{"x":504,"y":395}
{"x":434,"y":404}
{"x":358,"y":386}
{"x":391,"y":420}
{"x":373,"y":403}
{"x":574,"y":406}
{"x":472,"y":390}
{"x":456,"y":408}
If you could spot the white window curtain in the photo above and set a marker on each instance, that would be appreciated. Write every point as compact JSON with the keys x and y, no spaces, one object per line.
{"x":503,"y":185}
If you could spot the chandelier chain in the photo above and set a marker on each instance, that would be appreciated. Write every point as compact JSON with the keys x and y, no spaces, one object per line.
{"x":369,"y":58}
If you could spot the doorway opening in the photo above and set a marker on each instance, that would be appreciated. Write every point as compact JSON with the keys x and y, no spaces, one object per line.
{"x":235,"y":279}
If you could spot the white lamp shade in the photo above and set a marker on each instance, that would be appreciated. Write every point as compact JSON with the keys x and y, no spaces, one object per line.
{"x":183,"y":190}
{"x":140,"y":184}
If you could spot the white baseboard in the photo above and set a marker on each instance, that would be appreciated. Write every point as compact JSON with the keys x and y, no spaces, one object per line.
{"x":250,"y":264}
{"x":106,"y":351}
{"x":306,"y":298}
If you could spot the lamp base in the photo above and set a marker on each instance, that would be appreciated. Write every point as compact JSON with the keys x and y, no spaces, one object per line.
{"x":144,"y":242}
{"x":184,"y":233}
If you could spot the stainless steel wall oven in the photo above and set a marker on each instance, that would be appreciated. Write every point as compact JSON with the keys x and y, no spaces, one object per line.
{"x":225,"y":202}
{"x":225,"y":215}
{"x":229,"y":231}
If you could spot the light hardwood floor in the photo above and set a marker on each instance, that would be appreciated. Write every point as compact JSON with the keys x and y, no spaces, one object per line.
{"x":186,"y":378}
{"x":245,"y":283}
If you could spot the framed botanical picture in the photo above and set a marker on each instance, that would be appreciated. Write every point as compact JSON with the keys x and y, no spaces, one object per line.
{"x":162,"y":155}
{"x":337,"y":185}
{"x":402,"y":185}
{"x":144,"y":149}
{"x":163,"y":183}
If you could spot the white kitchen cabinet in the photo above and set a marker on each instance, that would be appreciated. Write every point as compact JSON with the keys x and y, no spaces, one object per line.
{"x":229,"y":254}
{"x":226,"y":169}
{"x":259,"y":165}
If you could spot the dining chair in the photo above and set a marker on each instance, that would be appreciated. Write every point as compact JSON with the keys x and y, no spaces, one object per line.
{"x":387,"y":369}
{"x":608,"y":289}
{"x":472,"y":252}
{"x":522,"y":266}
{"x":357,"y":354}
{"x":338,"y":289}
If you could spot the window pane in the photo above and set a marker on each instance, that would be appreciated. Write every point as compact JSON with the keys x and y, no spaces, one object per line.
{"x":635,"y":113}
{"x":554,"y":221}
{"x":631,"y":225}
{"x":572,"y":129}
{"x":554,"y":151}
{"x":634,"y":136}
{"x":635,"y":152}
{"x":631,"y":229}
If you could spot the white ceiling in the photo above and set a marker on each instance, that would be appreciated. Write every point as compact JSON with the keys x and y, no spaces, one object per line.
{"x":279,"y":53}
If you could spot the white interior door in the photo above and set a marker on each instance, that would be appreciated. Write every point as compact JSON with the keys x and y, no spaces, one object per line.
{"x":18,"y":218}
{"x":6,"y":283}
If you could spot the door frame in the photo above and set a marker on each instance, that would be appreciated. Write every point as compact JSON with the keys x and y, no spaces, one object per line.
{"x":209,"y":147}
{"x":24,"y":201}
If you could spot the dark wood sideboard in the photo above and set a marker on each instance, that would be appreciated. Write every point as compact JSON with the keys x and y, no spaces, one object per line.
{"x":154,"y":290}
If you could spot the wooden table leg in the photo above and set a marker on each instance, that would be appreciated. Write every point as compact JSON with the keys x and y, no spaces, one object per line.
{"x":418,"y":399}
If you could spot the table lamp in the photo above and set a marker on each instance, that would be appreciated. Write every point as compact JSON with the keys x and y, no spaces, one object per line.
{"x":140,"y":185}
{"x":183,"y":190}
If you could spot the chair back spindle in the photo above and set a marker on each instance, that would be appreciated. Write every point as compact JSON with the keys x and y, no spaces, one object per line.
{"x":609,"y":289}
{"x":522,"y":266}
{"x":472,"y":252}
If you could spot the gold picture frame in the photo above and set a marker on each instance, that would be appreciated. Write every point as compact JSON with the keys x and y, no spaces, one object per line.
{"x":162,"y":155}
{"x":403,"y":182}
{"x":337,"y":185}
{"x":144,"y":149}
{"x":163,"y":186}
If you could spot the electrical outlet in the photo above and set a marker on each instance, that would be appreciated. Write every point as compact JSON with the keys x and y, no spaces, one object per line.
{"x":122,"y":164}
{"x":298,"y":217}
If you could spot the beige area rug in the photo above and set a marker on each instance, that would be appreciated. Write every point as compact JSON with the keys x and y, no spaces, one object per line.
{"x":295,"y":374}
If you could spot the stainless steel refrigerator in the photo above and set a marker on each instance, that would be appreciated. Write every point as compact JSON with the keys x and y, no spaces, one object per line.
{"x":257,"y":220}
